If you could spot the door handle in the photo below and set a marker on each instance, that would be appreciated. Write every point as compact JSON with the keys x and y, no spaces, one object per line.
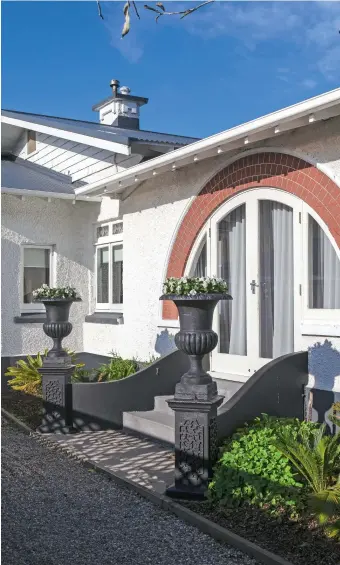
{"x":253,"y":285}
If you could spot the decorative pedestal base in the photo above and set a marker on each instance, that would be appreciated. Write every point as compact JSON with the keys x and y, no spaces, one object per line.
{"x":195,"y":444}
{"x":57,"y":395}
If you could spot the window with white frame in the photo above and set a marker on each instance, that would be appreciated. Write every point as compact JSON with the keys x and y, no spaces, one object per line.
{"x":36,"y":270}
{"x":109,"y":266}
{"x":323,"y":269}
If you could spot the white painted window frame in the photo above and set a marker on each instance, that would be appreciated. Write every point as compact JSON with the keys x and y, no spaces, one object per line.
{"x":109,"y":241}
{"x":316,"y":321}
{"x":35,"y":307}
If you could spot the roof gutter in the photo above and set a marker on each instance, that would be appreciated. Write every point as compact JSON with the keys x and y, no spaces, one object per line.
{"x":49,"y":195}
{"x":266,"y":126}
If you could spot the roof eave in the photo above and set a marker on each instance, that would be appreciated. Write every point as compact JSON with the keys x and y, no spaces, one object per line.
{"x":113,"y":146}
{"x":48,"y":195}
{"x":302,"y":114}
{"x":140,"y":99}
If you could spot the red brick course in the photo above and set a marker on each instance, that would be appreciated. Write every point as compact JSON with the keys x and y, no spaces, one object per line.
{"x":275,"y":170}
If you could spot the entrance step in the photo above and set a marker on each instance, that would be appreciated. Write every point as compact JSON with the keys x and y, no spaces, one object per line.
{"x":159,"y":423}
{"x":155,"y":424}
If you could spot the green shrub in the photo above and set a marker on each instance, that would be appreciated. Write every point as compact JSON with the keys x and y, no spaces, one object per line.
{"x":252,"y":470}
{"x":25,"y":376}
{"x":316,"y":457}
{"x":118,"y":368}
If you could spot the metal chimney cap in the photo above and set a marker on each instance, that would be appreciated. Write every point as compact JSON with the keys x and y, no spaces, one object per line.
{"x":114,"y":85}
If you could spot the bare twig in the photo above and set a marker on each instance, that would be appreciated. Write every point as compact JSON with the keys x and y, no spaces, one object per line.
{"x":182,"y":13}
{"x":99,"y":10}
{"x":135,"y":7}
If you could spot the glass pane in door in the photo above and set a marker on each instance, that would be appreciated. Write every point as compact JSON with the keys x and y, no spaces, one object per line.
{"x":276,"y":279}
{"x":200,"y":265}
{"x":232,"y":268}
{"x":323,"y":269}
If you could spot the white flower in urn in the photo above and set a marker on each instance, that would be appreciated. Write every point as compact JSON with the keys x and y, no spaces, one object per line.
{"x":192,"y":286}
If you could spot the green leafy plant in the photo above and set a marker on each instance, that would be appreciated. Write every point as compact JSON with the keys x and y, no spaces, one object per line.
{"x":316,"y":457}
{"x":252,"y":470}
{"x":191,"y":286}
{"x":335,"y":415}
{"x":25,"y":376}
{"x":46,"y":292}
{"x":118,"y":368}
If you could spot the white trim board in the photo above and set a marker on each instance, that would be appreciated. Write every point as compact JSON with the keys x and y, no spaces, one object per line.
{"x":113,"y":146}
{"x":302,"y":114}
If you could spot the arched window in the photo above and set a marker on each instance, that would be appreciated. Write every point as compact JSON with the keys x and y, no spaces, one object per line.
{"x":323,"y":269}
{"x":199,"y":268}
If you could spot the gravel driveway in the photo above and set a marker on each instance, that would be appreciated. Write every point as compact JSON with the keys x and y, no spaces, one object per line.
{"x":57,"y":512}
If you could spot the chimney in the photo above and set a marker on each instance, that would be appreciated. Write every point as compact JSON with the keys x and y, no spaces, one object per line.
{"x":121,"y":109}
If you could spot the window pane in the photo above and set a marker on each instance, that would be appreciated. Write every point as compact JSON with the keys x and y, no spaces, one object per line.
{"x":117,"y":274}
{"x":276,"y":290}
{"x":200,"y":269}
{"x":36,"y":271}
{"x":232,"y":268}
{"x":103,"y":275}
{"x":323,"y":269}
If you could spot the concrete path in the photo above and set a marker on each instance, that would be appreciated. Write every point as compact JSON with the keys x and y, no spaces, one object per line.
{"x":142,"y":461}
{"x":57,"y":512}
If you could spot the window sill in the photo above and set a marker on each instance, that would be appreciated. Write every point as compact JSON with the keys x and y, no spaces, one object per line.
{"x":30,"y":318}
{"x":114,"y":318}
{"x":317,"y":328}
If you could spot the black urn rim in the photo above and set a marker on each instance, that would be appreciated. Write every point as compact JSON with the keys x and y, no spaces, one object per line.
{"x":61,"y":300}
{"x":203,"y":296}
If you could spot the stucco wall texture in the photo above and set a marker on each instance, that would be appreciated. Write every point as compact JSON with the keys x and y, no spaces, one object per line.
{"x":68,"y":227}
{"x":151,"y":216}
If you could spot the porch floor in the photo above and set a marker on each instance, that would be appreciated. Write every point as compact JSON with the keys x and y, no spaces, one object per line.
{"x":144,"y":462}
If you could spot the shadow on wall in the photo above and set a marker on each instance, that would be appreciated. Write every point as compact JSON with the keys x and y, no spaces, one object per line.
{"x":324,"y":368}
{"x":165,"y":343}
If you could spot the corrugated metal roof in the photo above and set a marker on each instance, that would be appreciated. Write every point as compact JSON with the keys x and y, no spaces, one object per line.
{"x":22,"y":175}
{"x":101,"y":131}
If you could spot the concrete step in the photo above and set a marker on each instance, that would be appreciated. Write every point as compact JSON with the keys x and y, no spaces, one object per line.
{"x":155,"y":424}
{"x":159,"y":423}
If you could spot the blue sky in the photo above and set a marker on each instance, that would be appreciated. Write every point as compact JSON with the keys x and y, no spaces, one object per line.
{"x":225,"y":64}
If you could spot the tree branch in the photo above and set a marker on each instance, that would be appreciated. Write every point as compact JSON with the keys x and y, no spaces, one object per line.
{"x":99,"y":10}
{"x":135,"y":7}
{"x":181,"y":13}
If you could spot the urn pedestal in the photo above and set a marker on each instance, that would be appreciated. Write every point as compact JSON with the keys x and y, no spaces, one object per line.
{"x":196,"y":400}
{"x":57,"y":369}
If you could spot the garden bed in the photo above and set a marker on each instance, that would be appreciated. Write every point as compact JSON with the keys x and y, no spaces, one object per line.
{"x":302,"y":543}
{"x":24,"y":406}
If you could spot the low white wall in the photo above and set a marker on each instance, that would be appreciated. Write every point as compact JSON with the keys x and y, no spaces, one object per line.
{"x":69,"y":228}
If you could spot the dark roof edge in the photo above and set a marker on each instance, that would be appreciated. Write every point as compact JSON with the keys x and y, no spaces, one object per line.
{"x":98,"y":124}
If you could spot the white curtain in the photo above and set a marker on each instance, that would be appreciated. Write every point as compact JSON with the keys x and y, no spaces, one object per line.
{"x":200,"y":269}
{"x":232,"y":268}
{"x":324,"y":269}
{"x":276,"y":279}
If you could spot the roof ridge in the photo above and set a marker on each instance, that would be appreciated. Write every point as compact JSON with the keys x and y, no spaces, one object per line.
{"x":106,"y":126}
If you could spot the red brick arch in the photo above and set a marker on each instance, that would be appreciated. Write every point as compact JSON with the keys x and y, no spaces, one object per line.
{"x":275,"y":170}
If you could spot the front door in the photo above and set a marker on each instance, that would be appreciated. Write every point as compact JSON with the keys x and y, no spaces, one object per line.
{"x":253,"y":243}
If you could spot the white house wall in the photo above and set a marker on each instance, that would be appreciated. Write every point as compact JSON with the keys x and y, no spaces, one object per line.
{"x":59,"y":222}
{"x":81,"y":162}
{"x":152,"y":214}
